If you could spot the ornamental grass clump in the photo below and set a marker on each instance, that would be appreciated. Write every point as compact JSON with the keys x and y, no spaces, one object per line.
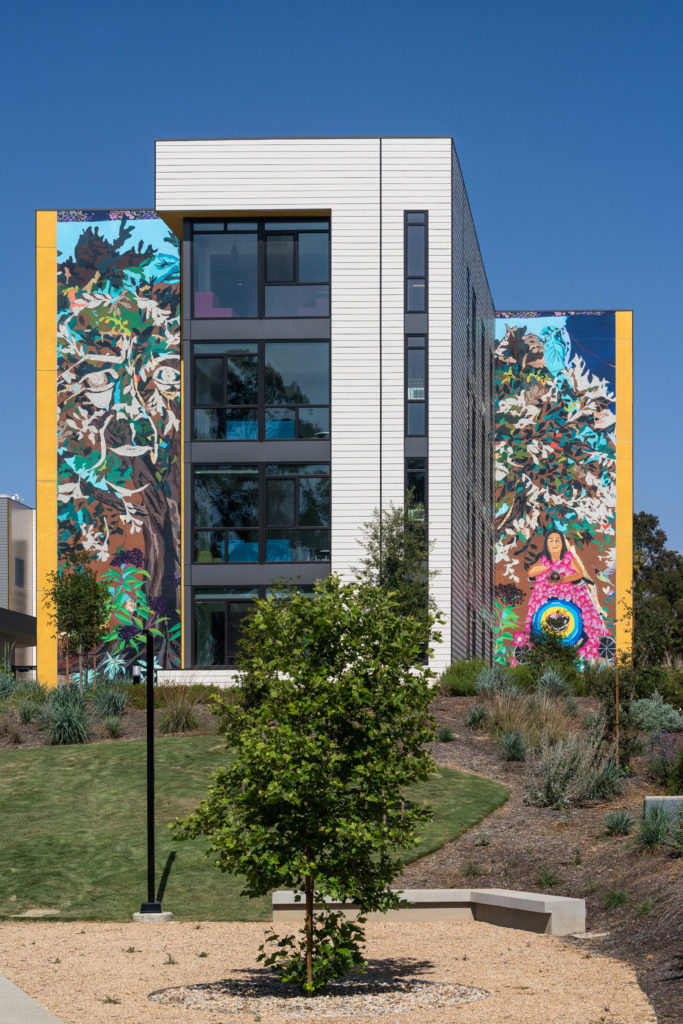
{"x":179,"y":713}
{"x":514,"y":746}
{"x":110,"y":703}
{"x":553,"y":684}
{"x":661,"y":756}
{"x":533,"y":715}
{"x":445,"y":735}
{"x":619,"y":823}
{"x":330,"y":730}
{"x":572,"y":770}
{"x":476,"y":716}
{"x":655,"y":715}
{"x":656,"y":828}
{"x":65,"y":721}
{"x":492,"y":681}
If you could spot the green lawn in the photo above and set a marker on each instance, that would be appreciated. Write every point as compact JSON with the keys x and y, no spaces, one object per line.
{"x":73,"y":829}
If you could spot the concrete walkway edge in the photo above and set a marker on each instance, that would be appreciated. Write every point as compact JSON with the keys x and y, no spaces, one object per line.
{"x":16,"y":1007}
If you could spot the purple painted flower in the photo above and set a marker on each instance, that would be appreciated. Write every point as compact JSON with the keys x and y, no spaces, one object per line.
{"x":128,"y":633}
{"x":134,"y":557}
{"x":157,"y":604}
{"x":175,"y":579}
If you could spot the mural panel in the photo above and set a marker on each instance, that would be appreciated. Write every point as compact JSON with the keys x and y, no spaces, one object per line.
{"x":118,"y":411}
{"x":555,"y":481}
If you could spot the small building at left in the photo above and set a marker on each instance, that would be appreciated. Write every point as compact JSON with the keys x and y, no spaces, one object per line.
{"x":17,"y":585}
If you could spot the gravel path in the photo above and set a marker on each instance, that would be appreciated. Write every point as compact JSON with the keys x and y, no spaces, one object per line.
{"x":94,"y":973}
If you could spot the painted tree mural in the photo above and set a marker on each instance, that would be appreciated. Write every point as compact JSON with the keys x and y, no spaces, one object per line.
{"x":118,"y":399}
{"x":555,"y":475}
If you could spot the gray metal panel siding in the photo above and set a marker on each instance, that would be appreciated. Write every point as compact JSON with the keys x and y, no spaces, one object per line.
{"x":472,"y":583}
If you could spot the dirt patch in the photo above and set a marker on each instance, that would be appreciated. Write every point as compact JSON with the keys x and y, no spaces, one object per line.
{"x":517,"y":844}
{"x":106,"y":972}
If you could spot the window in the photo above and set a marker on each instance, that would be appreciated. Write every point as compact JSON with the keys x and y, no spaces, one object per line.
{"x":416,"y":385}
{"x":19,"y":572}
{"x":266,"y":390}
{"x":416,"y":480}
{"x":218,"y":616}
{"x":415,"y":262}
{"x":279,"y":512}
{"x":259,"y":269}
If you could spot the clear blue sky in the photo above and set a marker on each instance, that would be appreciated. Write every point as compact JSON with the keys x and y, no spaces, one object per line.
{"x":566,"y":118}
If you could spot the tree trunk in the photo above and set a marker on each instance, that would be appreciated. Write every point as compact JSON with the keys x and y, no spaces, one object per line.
{"x":80,"y":668}
{"x":309,"y":933}
{"x":66,"y":655}
{"x":94,"y":668}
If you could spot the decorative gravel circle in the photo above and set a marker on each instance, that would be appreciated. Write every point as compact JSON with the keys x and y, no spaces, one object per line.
{"x":347,"y":998}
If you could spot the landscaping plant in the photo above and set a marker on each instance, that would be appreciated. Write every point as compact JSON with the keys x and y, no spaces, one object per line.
{"x":476,"y":716}
{"x":653,"y":714}
{"x":572,"y":770}
{"x":655,"y":829}
{"x":514,"y":746}
{"x":619,"y":823}
{"x":445,"y":735}
{"x":330,"y":731}
{"x":110,"y":703}
{"x":178,"y":713}
{"x":458,"y":680}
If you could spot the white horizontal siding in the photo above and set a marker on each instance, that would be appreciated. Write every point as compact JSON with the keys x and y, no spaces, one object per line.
{"x":416,"y":175}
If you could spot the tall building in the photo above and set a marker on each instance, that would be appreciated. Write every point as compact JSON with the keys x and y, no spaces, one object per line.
{"x":300,"y":333}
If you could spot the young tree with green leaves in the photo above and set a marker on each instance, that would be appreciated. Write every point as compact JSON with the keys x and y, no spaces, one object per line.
{"x":396,"y":556}
{"x":78,"y":606}
{"x":329,"y":731}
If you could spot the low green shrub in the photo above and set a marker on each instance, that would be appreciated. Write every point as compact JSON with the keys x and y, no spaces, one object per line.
{"x":458,"y":679}
{"x":546,"y":878}
{"x":481,"y":838}
{"x":112,"y":723}
{"x":572,"y":770}
{"x":614,"y":898}
{"x":476,"y":717}
{"x":179,"y":713}
{"x":338,"y":950}
{"x":655,"y":829}
{"x":619,"y":823}
{"x":471,"y":869}
{"x":514,"y":746}
{"x":654,"y":715}
{"x":646,"y":907}
{"x":521,"y":678}
{"x":445,"y":735}
{"x":110,"y":703}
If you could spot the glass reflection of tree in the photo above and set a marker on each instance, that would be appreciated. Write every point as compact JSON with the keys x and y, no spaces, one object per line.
{"x":242,"y":380}
{"x":226,"y":501}
{"x":279,"y":393}
{"x":314,"y":502}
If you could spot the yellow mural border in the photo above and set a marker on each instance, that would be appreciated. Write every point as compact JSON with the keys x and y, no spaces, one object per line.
{"x":46,"y":435}
{"x":624,"y":443}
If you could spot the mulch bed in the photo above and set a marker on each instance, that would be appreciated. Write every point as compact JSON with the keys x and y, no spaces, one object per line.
{"x":522,"y":840}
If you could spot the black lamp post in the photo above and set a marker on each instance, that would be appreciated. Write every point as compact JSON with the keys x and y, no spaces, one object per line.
{"x":152,"y":906}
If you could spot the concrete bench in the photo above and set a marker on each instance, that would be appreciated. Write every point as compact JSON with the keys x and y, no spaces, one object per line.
{"x":530,"y":911}
{"x":673,"y":805}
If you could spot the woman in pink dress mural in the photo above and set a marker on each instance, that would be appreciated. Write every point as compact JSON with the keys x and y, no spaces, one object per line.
{"x":562,"y":601}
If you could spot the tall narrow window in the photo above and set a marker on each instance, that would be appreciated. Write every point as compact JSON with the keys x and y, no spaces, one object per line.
{"x":416,"y":385}
{"x":416,"y":261}
{"x":416,"y":481}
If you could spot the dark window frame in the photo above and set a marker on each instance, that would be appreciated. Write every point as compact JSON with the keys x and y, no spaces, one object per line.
{"x":261,"y":233}
{"x":262,"y":592}
{"x":262,"y":527}
{"x":415,"y":277}
{"x":260,"y":406}
{"x":408,"y":401}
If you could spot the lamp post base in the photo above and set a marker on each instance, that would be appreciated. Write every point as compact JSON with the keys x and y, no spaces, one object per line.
{"x":157,"y":917}
{"x":153,"y":912}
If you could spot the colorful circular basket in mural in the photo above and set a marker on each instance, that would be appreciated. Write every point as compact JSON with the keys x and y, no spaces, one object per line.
{"x":561,"y":618}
